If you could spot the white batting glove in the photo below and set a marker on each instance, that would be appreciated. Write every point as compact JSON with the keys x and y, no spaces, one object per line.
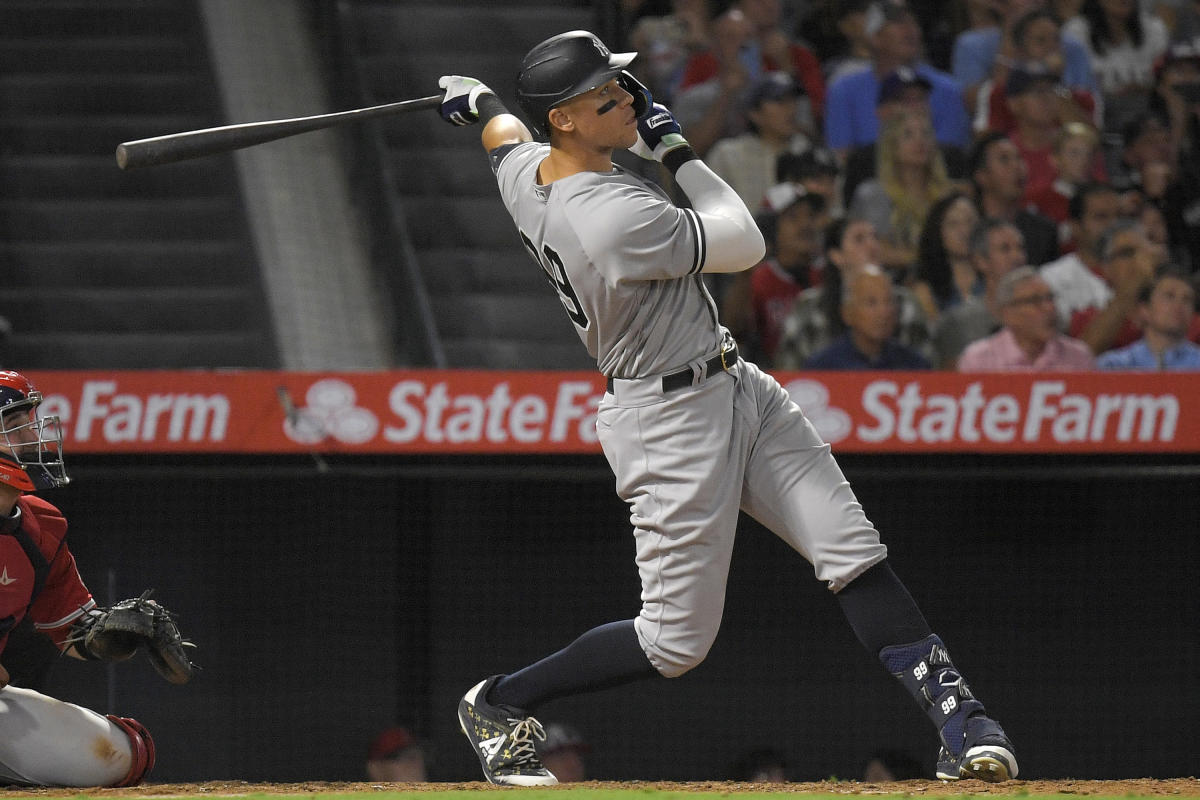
{"x":460,"y":106}
{"x":658,"y":134}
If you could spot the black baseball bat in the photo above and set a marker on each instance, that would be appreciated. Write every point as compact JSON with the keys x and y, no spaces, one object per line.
{"x":194,"y":144}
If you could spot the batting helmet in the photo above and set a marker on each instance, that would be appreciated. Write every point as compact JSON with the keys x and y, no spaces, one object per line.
{"x":562,"y":67}
{"x":30,"y":445}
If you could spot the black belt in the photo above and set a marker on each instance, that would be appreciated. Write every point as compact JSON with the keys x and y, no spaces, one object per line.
{"x":721,"y":362}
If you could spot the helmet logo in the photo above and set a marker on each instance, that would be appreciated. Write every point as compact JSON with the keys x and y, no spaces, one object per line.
{"x":599,"y":45}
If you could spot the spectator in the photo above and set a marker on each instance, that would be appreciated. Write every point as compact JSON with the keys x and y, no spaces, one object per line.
{"x":996,"y":250}
{"x":998,"y":174}
{"x":1128,"y":263}
{"x":815,"y":171}
{"x":758,"y":301}
{"x":748,"y":42}
{"x":869,"y":311}
{"x":1075,"y":277}
{"x":985,"y":53}
{"x":837,"y":29}
{"x":1039,"y":109}
{"x":748,"y":162}
{"x":766,"y":47}
{"x":944,"y":274}
{"x":1029,"y":340}
{"x":395,"y":756}
{"x":713,"y":109}
{"x":1166,"y":311}
{"x":1036,"y":39}
{"x":564,"y":752}
{"x":850,"y":120}
{"x":901,"y":90}
{"x":1177,"y":98}
{"x":1123,"y":45}
{"x":910,"y":177}
{"x":1076,"y":148}
{"x":665,"y":43}
{"x":816,"y":320}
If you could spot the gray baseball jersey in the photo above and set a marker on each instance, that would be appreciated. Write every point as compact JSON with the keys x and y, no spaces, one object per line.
{"x":610,"y":244}
{"x":625,"y":262}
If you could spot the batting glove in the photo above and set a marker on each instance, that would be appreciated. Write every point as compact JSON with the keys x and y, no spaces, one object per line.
{"x":642,"y":99}
{"x":460,"y":106}
{"x":658,"y":134}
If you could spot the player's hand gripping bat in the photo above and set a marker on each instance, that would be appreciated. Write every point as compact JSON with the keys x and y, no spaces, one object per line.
{"x":207,"y":141}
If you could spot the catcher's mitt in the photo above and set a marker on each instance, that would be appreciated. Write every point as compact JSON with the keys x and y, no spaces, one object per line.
{"x":116,"y":633}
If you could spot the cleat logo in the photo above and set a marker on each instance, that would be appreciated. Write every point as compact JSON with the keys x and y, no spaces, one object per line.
{"x":490,"y":747}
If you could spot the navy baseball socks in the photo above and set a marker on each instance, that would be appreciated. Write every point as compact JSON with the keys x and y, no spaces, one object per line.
{"x":973,"y":744}
{"x":881,"y":612}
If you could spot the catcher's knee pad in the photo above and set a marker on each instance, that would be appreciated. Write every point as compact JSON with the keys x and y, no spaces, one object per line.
{"x":141,"y":748}
{"x":925,"y":669}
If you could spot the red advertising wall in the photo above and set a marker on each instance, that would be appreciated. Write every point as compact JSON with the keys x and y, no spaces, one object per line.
{"x":459,"y":411}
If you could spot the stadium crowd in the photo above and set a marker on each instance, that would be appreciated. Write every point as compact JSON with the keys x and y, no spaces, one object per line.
{"x":972,"y":185}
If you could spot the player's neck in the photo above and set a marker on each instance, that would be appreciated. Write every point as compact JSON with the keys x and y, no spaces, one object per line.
{"x":564,"y":162}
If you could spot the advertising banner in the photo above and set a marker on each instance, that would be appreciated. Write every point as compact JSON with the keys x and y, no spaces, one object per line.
{"x":467,"y":411}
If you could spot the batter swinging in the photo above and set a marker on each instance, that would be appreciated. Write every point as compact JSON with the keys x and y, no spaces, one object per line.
{"x":692,"y":432}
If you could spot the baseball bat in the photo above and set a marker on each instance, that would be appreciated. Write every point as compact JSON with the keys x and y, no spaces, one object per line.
{"x":194,"y":144}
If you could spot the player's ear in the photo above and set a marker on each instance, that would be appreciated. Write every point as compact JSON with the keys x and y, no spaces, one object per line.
{"x":559,"y":118}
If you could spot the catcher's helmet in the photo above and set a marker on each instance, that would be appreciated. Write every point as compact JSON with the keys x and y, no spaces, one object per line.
{"x":30,"y":445}
{"x":562,"y":67}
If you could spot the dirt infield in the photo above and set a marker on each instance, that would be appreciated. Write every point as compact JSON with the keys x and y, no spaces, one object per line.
{"x":1186,"y":787}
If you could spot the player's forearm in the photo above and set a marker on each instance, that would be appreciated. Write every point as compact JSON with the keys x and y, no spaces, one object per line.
{"x":732,"y":240}
{"x":500,"y":127}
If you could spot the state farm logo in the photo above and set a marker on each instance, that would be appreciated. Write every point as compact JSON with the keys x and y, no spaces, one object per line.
{"x":329,"y":413}
{"x":833,"y":424}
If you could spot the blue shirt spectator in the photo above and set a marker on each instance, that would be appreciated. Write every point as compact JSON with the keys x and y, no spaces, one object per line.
{"x":975,"y":54}
{"x":1166,"y":311}
{"x":1139,"y":356}
{"x":851,"y":121}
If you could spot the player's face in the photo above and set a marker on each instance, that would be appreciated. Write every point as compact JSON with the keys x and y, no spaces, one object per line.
{"x":20,"y":433}
{"x":604,"y":117}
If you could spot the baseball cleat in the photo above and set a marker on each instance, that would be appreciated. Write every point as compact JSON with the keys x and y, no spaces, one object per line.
{"x":989,"y":756}
{"x":503,"y":738}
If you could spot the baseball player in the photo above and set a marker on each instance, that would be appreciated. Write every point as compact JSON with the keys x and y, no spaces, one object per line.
{"x":44,"y":741}
{"x":692,"y":432}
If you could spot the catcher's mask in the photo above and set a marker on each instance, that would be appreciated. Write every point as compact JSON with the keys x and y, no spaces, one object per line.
{"x":30,"y":445}
{"x":562,"y":67}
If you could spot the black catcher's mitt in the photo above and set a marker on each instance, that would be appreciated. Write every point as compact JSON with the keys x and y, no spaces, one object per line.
{"x":116,"y":633}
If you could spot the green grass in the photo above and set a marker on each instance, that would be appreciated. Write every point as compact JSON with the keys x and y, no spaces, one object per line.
{"x":583,"y":793}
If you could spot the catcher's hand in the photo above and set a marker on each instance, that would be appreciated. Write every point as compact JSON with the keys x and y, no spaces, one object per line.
{"x":460,"y":106}
{"x":116,"y":633}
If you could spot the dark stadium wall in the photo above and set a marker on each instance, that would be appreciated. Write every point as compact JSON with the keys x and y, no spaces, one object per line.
{"x":327,"y":606}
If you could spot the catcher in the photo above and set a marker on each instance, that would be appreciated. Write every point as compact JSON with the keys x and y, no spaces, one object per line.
{"x":43,"y":741}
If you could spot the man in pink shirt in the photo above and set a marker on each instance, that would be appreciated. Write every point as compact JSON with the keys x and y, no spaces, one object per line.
{"x":1029,"y":340}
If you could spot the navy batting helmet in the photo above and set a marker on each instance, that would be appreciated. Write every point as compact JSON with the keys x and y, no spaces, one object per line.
{"x":562,"y":67}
